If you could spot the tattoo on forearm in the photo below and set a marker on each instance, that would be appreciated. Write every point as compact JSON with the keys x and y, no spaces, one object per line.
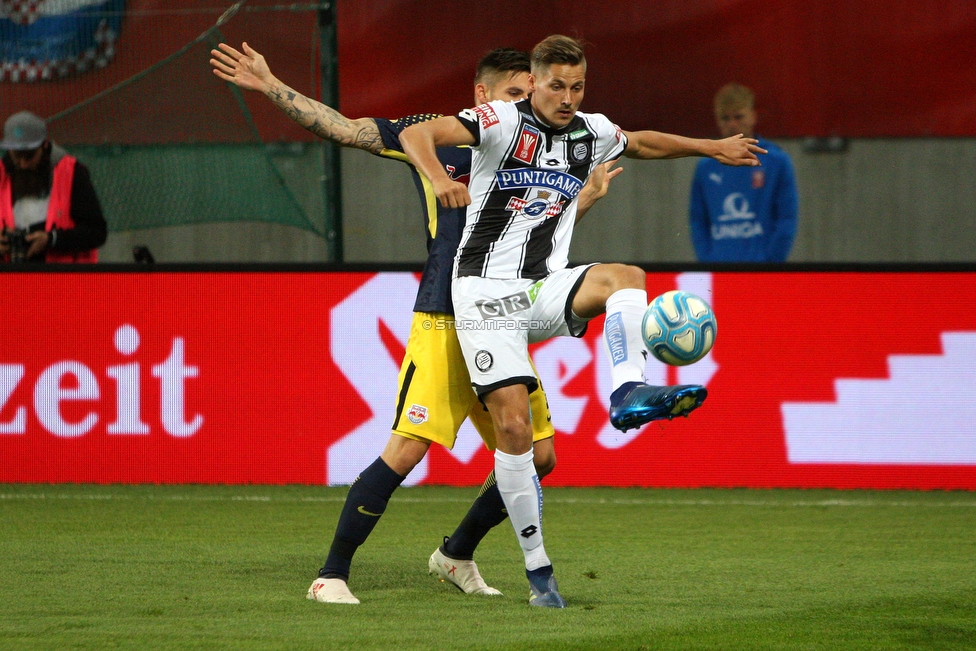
{"x":326,"y":122}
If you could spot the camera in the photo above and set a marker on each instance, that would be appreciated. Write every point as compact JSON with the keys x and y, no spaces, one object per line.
{"x":18,"y":244}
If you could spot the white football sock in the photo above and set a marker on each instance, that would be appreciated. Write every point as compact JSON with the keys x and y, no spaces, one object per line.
{"x":519,"y":486}
{"x":622,"y":338}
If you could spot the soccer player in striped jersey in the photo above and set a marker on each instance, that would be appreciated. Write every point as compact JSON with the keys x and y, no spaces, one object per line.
{"x":434,"y":393}
{"x":512,"y":285}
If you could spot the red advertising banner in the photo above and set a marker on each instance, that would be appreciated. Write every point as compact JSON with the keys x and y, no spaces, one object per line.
{"x":817,"y":379}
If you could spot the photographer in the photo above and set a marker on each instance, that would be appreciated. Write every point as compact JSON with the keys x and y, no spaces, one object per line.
{"x":48,"y":208}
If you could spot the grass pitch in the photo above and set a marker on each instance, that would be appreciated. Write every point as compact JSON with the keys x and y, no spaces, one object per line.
{"x":192,"y":567}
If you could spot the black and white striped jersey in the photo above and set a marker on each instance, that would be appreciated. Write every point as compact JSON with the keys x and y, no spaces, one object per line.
{"x":525,"y":177}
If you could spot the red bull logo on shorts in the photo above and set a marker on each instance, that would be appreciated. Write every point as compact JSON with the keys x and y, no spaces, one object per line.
{"x":417,"y":414}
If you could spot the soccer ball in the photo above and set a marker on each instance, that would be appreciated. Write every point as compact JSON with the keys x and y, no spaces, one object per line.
{"x":678,"y":328}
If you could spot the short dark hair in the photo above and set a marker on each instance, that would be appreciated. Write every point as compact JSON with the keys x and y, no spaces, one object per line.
{"x":503,"y":59}
{"x":557,"y":49}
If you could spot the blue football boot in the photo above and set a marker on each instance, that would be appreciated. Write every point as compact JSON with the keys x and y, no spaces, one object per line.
{"x":635,"y":403}
{"x":544,"y":592}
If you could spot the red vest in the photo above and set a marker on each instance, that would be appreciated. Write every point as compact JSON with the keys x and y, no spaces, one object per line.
{"x":58,"y":208}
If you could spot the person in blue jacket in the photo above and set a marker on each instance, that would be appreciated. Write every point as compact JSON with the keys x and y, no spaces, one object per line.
{"x":743,"y":214}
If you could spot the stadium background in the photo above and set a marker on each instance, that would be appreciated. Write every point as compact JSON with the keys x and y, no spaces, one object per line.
{"x":884,"y":146}
{"x":174,"y":146}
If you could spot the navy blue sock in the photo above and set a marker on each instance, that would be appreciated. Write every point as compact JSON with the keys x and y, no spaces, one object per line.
{"x":487,"y":512}
{"x":365,"y":503}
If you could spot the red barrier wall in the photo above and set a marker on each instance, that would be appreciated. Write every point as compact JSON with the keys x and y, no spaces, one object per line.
{"x":817,"y":379}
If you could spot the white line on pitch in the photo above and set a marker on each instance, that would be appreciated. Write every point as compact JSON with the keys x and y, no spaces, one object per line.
{"x":550,"y":499}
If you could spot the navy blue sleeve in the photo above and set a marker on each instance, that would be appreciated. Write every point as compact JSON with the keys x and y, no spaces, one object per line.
{"x":390,"y":130}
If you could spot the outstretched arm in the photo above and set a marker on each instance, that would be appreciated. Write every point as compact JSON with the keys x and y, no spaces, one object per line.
{"x":249,"y":70}
{"x":735,"y":150}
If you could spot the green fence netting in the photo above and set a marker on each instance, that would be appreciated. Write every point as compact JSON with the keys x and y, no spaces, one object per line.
{"x":166,"y":142}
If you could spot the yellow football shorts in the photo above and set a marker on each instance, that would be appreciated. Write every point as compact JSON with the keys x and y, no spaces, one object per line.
{"x":434,"y":393}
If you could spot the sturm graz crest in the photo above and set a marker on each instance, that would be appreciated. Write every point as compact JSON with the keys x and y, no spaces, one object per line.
{"x":483,"y":360}
{"x":580,"y":152}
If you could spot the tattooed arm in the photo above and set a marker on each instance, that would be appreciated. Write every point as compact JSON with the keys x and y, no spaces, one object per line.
{"x":250,"y":71}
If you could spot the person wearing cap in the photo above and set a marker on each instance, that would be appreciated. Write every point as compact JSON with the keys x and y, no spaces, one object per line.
{"x":47,"y":194}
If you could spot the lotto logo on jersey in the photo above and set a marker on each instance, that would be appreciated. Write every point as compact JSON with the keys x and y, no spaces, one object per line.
{"x":487,"y":115}
{"x":527,"y":143}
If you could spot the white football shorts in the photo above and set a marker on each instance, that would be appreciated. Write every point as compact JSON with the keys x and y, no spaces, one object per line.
{"x":497,"y":319}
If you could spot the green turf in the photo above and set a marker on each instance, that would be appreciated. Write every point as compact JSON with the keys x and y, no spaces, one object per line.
{"x":192,"y":567}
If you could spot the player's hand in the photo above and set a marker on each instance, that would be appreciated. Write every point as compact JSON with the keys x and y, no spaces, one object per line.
{"x":451,"y":194}
{"x":246,"y":69}
{"x":739,"y":150}
{"x":598,"y":184}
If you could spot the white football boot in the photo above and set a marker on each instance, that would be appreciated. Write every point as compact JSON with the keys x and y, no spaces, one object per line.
{"x":463,"y":574}
{"x":330,"y":591}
